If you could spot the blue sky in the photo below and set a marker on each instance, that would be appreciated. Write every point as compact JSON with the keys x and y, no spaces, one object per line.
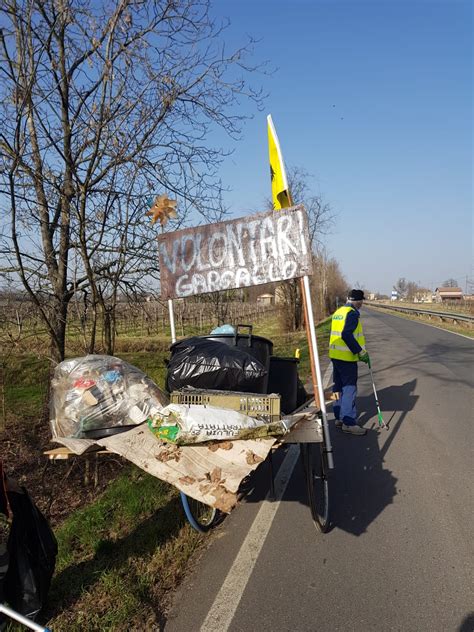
{"x":374,"y":99}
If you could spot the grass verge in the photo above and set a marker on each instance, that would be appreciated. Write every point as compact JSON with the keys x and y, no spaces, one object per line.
{"x":119,"y":557}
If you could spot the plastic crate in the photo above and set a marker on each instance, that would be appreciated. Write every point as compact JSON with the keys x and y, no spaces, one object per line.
{"x":252,"y":404}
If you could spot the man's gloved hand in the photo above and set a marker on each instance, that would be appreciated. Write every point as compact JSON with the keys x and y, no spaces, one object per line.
{"x":364,"y":357}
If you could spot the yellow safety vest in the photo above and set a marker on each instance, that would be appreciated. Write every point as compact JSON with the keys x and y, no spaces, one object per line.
{"x":337,"y":347}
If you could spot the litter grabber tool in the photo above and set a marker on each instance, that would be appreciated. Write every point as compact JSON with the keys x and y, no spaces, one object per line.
{"x":382,"y":423}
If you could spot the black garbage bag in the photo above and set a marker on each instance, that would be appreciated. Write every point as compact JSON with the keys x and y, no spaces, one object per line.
{"x":4,"y":532}
{"x":3,"y":569}
{"x":301,"y":394}
{"x":32,"y":551}
{"x":203,"y":363}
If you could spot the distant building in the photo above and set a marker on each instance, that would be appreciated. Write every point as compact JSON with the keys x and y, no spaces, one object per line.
{"x":448,"y":294}
{"x":266,"y":299}
{"x":423,"y":297}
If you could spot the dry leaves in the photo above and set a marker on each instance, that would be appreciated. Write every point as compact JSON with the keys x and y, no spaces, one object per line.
{"x":221,"y":445}
{"x":253,"y":458}
{"x":187,"y":480}
{"x":170,"y":453}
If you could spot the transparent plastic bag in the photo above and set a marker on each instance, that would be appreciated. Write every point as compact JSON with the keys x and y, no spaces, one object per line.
{"x":97,"y":395}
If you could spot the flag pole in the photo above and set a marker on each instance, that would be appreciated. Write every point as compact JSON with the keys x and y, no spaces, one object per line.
{"x":318,"y":387}
{"x":170,"y":301}
{"x":171,"y":313}
{"x":281,"y":196}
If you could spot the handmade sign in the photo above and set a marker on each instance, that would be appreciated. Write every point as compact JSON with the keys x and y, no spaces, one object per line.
{"x":262,"y":248}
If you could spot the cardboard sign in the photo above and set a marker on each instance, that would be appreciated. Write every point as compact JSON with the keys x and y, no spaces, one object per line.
{"x":263,"y":248}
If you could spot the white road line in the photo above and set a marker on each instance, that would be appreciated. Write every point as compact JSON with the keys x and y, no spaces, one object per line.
{"x":228,"y":598}
{"x":448,"y":331}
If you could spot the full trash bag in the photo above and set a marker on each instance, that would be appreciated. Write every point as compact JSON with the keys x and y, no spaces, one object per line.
{"x":32,"y":551}
{"x":184,"y":424}
{"x":208,"y":364}
{"x":98,"y":395}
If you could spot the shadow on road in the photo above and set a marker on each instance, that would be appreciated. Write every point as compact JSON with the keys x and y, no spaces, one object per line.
{"x":361,"y":486}
{"x":393,"y":400}
{"x":468,"y":624}
{"x":425,"y":363}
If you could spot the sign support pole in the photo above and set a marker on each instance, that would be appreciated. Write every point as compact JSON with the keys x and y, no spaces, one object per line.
{"x":315,"y":360}
{"x":171,"y":313}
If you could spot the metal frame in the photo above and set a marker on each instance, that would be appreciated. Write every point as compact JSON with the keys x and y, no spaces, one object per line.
{"x":314,"y":344}
{"x":16,"y":616}
{"x":423,"y":312}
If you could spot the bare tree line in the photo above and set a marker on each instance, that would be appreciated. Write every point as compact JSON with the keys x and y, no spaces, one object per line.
{"x":21,"y":327}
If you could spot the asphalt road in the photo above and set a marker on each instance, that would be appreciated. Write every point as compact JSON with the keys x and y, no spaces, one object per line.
{"x":400,"y":552}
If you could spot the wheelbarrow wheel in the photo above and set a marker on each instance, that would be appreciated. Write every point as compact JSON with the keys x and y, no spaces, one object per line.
{"x":200,"y":516}
{"x":316,"y":474}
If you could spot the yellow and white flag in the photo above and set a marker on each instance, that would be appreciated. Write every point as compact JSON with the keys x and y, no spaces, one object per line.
{"x":280,"y":193}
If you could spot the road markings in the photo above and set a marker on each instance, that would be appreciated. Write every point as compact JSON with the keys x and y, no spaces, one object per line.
{"x":447,"y":331}
{"x":228,"y":598}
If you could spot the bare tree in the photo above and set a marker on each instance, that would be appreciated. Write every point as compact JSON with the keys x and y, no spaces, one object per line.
{"x":102,"y":106}
{"x":450,"y":283}
{"x":220,"y":302}
{"x":401,"y":287}
{"x":321,"y":217}
{"x":411,"y":290}
{"x":328,"y":287}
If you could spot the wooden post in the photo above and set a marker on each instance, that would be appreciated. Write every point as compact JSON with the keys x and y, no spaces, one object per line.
{"x":96,"y":470}
{"x":315,"y":367}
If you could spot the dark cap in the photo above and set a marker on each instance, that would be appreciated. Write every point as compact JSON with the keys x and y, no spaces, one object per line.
{"x":356,"y":295}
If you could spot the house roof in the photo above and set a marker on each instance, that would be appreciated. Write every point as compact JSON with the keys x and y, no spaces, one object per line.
{"x":449,"y":290}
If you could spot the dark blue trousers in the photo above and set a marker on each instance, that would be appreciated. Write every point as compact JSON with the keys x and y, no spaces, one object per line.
{"x":345,"y":382}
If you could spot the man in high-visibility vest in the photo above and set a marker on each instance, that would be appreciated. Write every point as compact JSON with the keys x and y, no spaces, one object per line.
{"x":346,"y":348}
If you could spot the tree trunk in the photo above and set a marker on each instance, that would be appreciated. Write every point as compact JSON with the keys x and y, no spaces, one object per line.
{"x":58,"y":324}
{"x":108,"y":335}
{"x":93,"y":329}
